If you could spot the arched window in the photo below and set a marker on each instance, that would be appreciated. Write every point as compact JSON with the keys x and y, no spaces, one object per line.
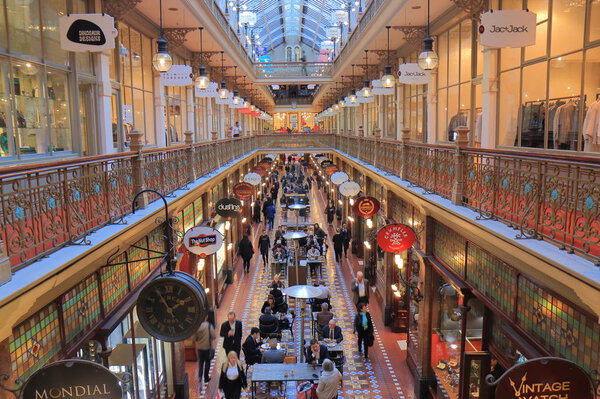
{"x":297,"y":54}
{"x":288,"y":54}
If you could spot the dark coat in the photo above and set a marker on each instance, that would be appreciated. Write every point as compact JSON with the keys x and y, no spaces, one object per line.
{"x":266,"y":304}
{"x":337,"y":333}
{"x":323,"y":354}
{"x":251,"y":350}
{"x":268,"y":323}
{"x":232,"y":389}
{"x":362,"y":333}
{"x":245,"y":249}
{"x":233,"y":343}
{"x":345,"y":232}
{"x":264,"y":243}
{"x":338,"y":241}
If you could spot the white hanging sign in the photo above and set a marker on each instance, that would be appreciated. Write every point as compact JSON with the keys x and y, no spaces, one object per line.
{"x":339,"y":177}
{"x":378,"y":89}
{"x":178,"y":75}
{"x":332,"y":32}
{"x":349,"y":188}
{"x":413,"y":74}
{"x":507,"y":28}
{"x":211,"y":91}
{"x":87,"y":32}
{"x":248,"y":17}
{"x":224,"y":101}
{"x":252,"y":178}
{"x":202,"y":240}
{"x":340,"y":17}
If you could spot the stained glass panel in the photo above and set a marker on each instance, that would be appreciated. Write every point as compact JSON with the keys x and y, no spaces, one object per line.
{"x":198,"y":215}
{"x":113,"y":280}
{"x":137,"y":268}
{"x":157,"y":244}
{"x":449,"y":247}
{"x":81,"y":308}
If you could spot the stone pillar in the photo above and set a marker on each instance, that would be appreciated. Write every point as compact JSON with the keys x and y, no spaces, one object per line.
{"x":137,"y":168}
{"x":462,"y":142}
{"x":189,"y":141}
{"x":486,"y":138}
{"x":404,"y":149}
{"x":5,"y":272}
{"x":104,"y":106}
{"x":430,"y":134}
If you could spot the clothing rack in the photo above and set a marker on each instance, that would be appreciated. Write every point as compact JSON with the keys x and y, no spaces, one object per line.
{"x":555,"y":99}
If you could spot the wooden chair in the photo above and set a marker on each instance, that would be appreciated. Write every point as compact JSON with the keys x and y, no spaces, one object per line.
{"x":290,"y":360}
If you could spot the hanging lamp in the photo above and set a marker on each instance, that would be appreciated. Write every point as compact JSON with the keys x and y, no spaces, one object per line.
{"x":352,"y":97}
{"x":428,"y":59}
{"x":202,"y":80}
{"x":388,"y":80}
{"x":223,"y":92}
{"x":236,"y":94}
{"x":366,"y":90}
{"x":161,"y":60}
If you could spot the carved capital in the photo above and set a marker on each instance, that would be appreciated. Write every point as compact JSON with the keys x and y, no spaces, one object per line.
{"x":176,"y":36}
{"x":473,"y":8}
{"x":118,"y":8}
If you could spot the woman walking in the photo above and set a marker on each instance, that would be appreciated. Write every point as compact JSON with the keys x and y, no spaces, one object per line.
{"x":232,"y":378}
{"x":330,"y":212}
{"x":363,"y":325}
{"x":246,"y":251}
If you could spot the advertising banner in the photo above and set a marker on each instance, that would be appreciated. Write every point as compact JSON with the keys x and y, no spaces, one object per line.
{"x":229,"y":207}
{"x":396,"y":238}
{"x":507,"y":28}
{"x":366,"y":207}
{"x":87,"y":32}
{"x":413,"y":74}
{"x":178,"y":75}
{"x":339,"y":177}
{"x":349,"y":188}
{"x":253,"y":178}
{"x":243,"y":190}
{"x":202,"y":240}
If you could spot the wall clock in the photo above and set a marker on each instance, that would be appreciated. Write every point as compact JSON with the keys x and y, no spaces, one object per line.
{"x":172,"y":306}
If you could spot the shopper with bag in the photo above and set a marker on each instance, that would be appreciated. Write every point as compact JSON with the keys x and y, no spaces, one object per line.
{"x":203,"y":341}
{"x":246,"y":252}
{"x":232,"y":378}
{"x":363,"y":326}
{"x":329,"y":382}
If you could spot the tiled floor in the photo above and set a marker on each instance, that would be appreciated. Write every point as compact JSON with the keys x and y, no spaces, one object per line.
{"x":384,"y":376}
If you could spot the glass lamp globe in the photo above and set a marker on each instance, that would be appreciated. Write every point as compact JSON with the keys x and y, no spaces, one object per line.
{"x":336,"y":107}
{"x":428,"y":59}
{"x":202,"y":80}
{"x":341,"y":103}
{"x":161,"y":60}
{"x":253,"y":108}
{"x":388,"y":80}
{"x":366,"y":90}
{"x":236,"y":100}
{"x":223,"y":92}
{"x":352,"y":98}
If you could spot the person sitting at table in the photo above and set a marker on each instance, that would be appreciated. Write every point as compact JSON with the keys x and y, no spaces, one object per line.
{"x":329,"y":381}
{"x":267,"y":322}
{"x":251,"y":347}
{"x":316,"y":353}
{"x":332,"y":332}
{"x":313,"y":252}
{"x":279,"y":254}
{"x":269,"y":304}
{"x":324,"y":315}
{"x":303,"y":242}
{"x":273,"y":355}
{"x":277,"y":281}
{"x":276,"y":293}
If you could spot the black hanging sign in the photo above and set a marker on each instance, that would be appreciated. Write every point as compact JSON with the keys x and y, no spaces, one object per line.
{"x":87,"y":32}
{"x":229,"y":207}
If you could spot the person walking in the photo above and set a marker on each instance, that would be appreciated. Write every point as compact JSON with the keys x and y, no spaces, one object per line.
{"x":270,"y":215}
{"x":330,"y":212}
{"x":246,"y":252}
{"x":345,"y":231}
{"x":338,"y":245}
{"x":203,"y":341}
{"x":256,"y":211}
{"x":360,"y":289}
{"x":232,"y":378}
{"x":363,"y":327}
{"x":264,"y":244}
{"x":329,"y":381}
{"x":231,"y":331}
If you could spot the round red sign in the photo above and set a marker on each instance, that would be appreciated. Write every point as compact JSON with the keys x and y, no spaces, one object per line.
{"x":396,"y":238}
{"x":261,"y":170}
{"x":243,"y":190}
{"x":366,"y":207}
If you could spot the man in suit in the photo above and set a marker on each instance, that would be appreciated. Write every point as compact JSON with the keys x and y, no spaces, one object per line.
{"x":268,"y":323}
{"x":324,"y":315}
{"x":333,"y":332}
{"x":231,"y":331}
{"x":316,"y":353}
{"x":273,"y":355}
{"x":360,"y":289}
{"x":251,"y":347}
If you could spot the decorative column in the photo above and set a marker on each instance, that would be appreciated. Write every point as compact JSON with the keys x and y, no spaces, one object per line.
{"x":462,"y":142}
{"x":137,"y":167}
{"x":361,"y":132}
{"x":405,"y":139}
{"x":104,"y":106}
{"x":432,"y":108}
{"x":378,"y":133}
{"x":189,"y":141}
{"x":159,"y":112}
{"x":5,"y":272}
{"x":486,"y":138}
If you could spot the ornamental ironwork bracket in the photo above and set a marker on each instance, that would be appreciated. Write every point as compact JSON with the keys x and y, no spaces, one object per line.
{"x":176,"y":36}
{"x":413,"y":35}
{"x":473,"y":8}
{"x":203,"y":58}
{"x":19,"y":384}
{"x":118,"y":8}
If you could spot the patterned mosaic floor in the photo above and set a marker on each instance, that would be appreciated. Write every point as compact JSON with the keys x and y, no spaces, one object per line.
{"x":362,"y":380}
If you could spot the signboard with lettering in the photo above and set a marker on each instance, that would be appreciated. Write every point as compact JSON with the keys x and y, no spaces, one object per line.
{"x":253,"y":178}
{"x":229,"y":207}
{"x":507,"y":28}
{"x":73,"y":378}
{"x":211,"y":91}
{"x":413,"y":74}
{"x":366,"y":207}
{"x":340,"y":17}
{"x":544,"y":377}
{"x":332,"y":32}
{"x":178,"y":75}
{"x":396,"y":238}
{"x":339,"y":177}
{"x":202,"y":240}
{"x":349,"y":188}
{"x":243,"y":190}
{"x":87,"y":32}
{"x":379,"y":90}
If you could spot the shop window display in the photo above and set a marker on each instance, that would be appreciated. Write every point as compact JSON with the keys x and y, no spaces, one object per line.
{"x":30,"y":121}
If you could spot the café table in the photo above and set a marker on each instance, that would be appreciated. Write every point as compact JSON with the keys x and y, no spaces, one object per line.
{"x":281,"y":372}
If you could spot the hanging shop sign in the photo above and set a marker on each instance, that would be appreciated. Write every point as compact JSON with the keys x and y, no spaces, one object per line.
{"x":72,"y":378}
{"x":243,"y":190}
{"x":379,"y":90}
{"x":507,"y":28}
{"x":87,"y":32}
{"x":202,"y":240}
{"x":229,"y":207}
{"x":349,"y":188}
{"x":396,"y":237}
{"x":265,"y":165}
{"x":330,"y":169}
{"x":171,"y":307}
{"x":247,"y":17}
{"x":332,"y":32}
{"x":267,"y":160}
{"x":211,"y":91}
{"x":545,"y":377}
{"x":261,"y":170}
{"x":253,"y":178}
{"x":339,"y":177}
{"x":327,"y":46}
{"x":413,"y":74}
{"x":340,"y":17}
{"x":178,"y":75}
{"x":366,"y":207}
{"x":325,"y":163}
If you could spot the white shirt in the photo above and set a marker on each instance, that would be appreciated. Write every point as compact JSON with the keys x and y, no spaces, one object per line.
{"x":232,"y":372}
{"x":361,"y":288}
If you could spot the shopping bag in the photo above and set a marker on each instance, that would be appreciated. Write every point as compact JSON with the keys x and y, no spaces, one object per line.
{"x":306,"y":390}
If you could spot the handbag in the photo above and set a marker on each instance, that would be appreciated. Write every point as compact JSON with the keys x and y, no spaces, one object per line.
{"x":306,"y":390}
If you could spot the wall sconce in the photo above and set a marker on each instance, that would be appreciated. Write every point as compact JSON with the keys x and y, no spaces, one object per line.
{"x":350,"y":219}
{"x":399,"y":261}
{"x":397,"y":294}
{"x":207,"y":290}
{"x":201,"y":264}
{"x":252,"y":204}
{"x":394,"y":287}
{"x":244,"y":220}
{"x":352,"y":201}
{"x":369,"y":223}
{"x":367,"y":244}
{"x":229,"y":246}
{"x":227,"y":225}
{"x":340,"y":202}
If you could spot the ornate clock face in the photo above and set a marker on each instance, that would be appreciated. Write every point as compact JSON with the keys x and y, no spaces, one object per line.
{"x":171,"y":309}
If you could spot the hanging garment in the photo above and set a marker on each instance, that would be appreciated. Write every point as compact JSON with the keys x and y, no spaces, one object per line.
{"x":552,"y":108}
{"x":591,"y":128}
{"x":565,"y":122}
{"x":478,"y":127}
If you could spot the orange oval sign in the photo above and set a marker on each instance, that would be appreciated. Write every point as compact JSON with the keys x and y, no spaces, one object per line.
{"x":243,"y":190}
{"x":331,"y":169}
{"x":366,"y":207}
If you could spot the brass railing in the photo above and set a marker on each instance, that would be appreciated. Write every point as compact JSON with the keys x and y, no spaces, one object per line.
{"x":47,"y":206}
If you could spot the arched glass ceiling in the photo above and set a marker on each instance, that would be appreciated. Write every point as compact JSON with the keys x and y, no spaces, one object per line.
{"x":279,"y":19}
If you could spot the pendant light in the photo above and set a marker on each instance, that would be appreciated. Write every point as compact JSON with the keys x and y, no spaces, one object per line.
{"x":236,"y":94}
{"x":223,"y":92}
{"x":202,"y":80}
{"x":388,"y":80}
{"x":161,"y":60}
{"x":352,"y":97}
{"x":366,"y":90}
{"x":428,"y":59}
